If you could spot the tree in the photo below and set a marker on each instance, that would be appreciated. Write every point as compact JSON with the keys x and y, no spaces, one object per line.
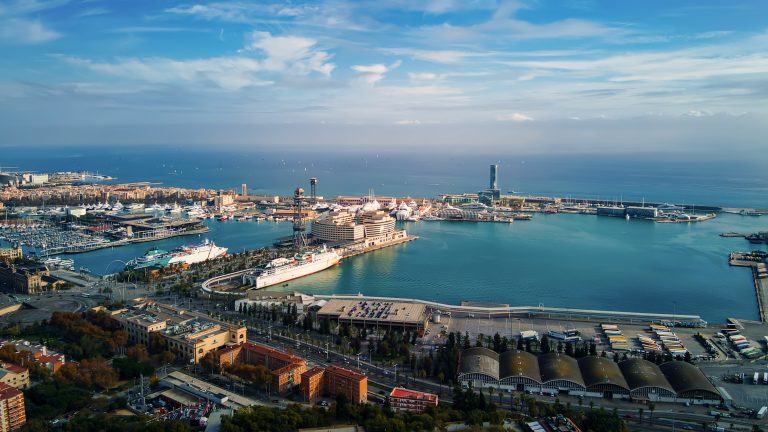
{"x":651,"y":408}
{"x":640,"y":415}
{"x":545,"y":344}
{"x":497,"y":342}
{"x":138,"y":352}
{"x":569,"y":349}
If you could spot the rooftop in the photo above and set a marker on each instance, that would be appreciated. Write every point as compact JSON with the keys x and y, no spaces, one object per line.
{"x":7,"y":391}
{"x":375,"y":311}
{"x":346,"y":373}
{"x":412,"y":394}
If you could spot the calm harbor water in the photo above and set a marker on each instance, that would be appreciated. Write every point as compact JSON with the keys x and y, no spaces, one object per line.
{"x":561,"y":260}
{"x":565,"y":260}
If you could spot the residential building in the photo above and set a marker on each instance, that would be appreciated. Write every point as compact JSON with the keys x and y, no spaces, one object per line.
{"x":402,"y":399}
{"x":312,"y":383}
{"x":39,"y":354}
{"x":14,"y":375}
{"x":334,"y":381}
{"x":12,"y":411}
{"x":286,"y":369}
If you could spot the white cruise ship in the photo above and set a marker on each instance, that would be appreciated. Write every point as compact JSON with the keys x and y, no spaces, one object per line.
{"x":190,"y":254}
{"x":284,"y":269}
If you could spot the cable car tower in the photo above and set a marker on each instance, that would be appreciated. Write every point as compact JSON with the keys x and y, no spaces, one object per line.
{"x":299,"y":225}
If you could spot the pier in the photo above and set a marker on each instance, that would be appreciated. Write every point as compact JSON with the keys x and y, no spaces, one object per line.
{"x":567,"y":314}
{"x":757,"y":262}
{"x":359,"y":249}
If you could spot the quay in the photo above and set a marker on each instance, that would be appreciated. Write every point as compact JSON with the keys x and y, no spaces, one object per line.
{"x":757,"y":262}
{"x":359,"y":249}
{"x":567,"y":314}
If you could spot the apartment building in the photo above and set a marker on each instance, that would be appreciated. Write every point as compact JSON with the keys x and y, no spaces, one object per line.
{"x":334,"y":381}
{"x":12,"y":410}
{"x":402,"y":399}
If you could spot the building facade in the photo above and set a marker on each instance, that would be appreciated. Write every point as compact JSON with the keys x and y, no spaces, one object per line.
{"x":334,"y":381}
{"x":26,"y":279}
{"x":337,"y":226}
{"x":286,"y":369}
{"x":12,"y":253}
{"x":13,"y":413}
{"x":14,"y":375}
{"x":190,"y":335}
{"x":402,"y":399}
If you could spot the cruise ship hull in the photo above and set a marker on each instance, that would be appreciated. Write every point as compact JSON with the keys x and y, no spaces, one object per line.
{"x":317,"y":265}
{"x":184,"y":255}
{"x":198,"y":256}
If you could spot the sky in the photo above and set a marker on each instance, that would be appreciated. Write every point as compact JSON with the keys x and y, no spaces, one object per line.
{"x":534,"y":76}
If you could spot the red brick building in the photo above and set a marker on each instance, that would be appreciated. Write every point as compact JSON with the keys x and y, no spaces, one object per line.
{"x":286,"y":369}
{"x":334,"y":381}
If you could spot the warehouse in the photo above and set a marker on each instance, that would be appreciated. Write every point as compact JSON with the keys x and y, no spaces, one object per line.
{"x":560,"y":372}
{"x":603,"y":377}
{"x":690,"y":383}
{"x":519,"y":370}
{"x":553,"y":373}
{"x":646,"y":381}
{"x":479,"y":367}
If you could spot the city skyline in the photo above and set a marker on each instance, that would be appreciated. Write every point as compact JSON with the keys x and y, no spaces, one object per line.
{"x":525,"y":77}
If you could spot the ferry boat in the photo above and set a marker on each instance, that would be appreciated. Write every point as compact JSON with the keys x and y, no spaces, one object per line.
{"x":188,"y":254}
{"x":284,"y":269}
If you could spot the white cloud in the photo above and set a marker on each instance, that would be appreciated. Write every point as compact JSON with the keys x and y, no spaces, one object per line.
{"x":515,"y":117}
{"x":26,"y":31}
{"x":291,"y":53}
{"x":371,"y":74}
{"x":697,"y":113}
{"x":408,"y":122}
{"x":16,"y":26}
{"x":425,"y":76}
{"x":281,"y":55}
{"x":435,"y":56}
{"x":229,"y":73}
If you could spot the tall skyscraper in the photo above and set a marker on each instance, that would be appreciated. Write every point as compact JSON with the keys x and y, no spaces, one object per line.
{"x":494,"y":177}
{"x":313,"y":188}
{"x":243,"y":189}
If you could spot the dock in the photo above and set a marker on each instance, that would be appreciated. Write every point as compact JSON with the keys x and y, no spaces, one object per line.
{"x":350,"y":252}
{"x":759,"y":276}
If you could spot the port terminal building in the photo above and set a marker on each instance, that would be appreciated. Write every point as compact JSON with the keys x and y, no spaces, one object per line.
{"x":375,"y":314}
{"x":556,"y":373}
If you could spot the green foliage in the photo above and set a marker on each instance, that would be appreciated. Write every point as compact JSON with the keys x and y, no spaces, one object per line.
{"x":130,"y":368}
{"x":51,"y":399}
{"x":601,"y":421}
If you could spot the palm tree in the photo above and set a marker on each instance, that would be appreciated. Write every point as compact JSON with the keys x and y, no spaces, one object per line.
{"x":651,"y":407}
{"x":640,"y":415}
{"x":591,"y":405}
{"x":490,"y":392}
{"x":441,"y":378}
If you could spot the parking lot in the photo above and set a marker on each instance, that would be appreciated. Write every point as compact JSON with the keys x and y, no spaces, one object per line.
{"x":589,"y":331}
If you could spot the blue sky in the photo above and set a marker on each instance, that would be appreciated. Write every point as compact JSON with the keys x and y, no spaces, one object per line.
{"x":521,"y":76}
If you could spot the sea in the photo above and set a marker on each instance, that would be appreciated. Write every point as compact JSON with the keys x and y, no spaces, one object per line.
{"x":560,"y":260}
